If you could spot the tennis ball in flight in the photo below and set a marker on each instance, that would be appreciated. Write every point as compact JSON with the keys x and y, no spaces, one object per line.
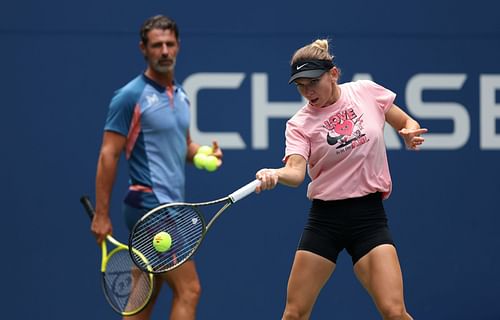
{"x":206,"y":150}
{"x":199,"y":160}
{"x":211,"y":163}
{"x":162,"y":241}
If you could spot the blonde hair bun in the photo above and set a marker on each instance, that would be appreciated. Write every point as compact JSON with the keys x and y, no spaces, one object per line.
{"x":321,"y":44}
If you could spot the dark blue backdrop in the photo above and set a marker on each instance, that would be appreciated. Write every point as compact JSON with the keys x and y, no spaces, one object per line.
{"x":61,"y":61}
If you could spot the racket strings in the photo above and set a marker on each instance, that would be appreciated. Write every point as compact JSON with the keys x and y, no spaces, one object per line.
{"x":182,"y":227}
{"x":185,"y":226}
{"x":128,"y":288}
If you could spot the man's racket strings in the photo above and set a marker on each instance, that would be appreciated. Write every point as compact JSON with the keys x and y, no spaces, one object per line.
{"x":186,"y":225}
{"x":126,"y":288}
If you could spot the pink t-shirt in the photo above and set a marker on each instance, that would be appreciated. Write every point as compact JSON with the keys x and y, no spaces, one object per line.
{"x":344,"y":143}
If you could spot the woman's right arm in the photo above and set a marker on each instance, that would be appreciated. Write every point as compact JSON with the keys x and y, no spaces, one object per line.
{"x":292,"y":174}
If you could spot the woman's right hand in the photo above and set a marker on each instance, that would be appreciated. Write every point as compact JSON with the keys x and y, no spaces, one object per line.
{"x":268,"y":178}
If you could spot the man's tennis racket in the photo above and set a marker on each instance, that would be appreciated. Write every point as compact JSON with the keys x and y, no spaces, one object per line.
{"x":184,"y":222}
{"x":127,"y":288}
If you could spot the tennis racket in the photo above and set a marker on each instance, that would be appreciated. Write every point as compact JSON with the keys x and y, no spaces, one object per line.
{"x":126,"y":288}
{"x":186,"y":225}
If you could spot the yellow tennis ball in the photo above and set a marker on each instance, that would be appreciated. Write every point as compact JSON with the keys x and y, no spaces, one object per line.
{"x":211,"y":163}
{"x":199,"y":160}
{"x":206,"y":150}
{"x":162,"y":241}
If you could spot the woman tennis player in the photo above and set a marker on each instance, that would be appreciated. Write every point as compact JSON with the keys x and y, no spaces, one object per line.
{"x":338,"y":137}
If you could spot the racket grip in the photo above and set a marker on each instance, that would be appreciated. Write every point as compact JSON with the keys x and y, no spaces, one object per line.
{"x":87,"y":205}
{"x":244,"y":191}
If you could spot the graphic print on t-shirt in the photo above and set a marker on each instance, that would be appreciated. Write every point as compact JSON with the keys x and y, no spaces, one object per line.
{"x":345,"y":130}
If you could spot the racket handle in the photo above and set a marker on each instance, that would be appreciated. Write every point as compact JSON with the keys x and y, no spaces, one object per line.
{"x":87,"y":205}
{"x":244,"y":191}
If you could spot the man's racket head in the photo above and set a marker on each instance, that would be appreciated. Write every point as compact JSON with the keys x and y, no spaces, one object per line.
{"x":186,"y":227}
{"x":126,"y":287}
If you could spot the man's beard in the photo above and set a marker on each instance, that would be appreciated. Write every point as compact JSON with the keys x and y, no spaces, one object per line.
{"x":163,"y":68}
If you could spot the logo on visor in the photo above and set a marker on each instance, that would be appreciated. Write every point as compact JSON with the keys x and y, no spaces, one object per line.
{"x":301,"y":66}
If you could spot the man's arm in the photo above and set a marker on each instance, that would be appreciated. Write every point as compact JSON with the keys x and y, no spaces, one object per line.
{"x":112,"y":146}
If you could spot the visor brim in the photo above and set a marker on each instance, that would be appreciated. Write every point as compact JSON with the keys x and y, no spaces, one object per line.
{"x":307,"y":74}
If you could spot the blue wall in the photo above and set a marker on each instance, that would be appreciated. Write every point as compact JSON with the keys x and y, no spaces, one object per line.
{"x":62,"y":60}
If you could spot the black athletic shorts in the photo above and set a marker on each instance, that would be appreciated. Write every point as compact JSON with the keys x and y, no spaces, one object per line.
{"x":356,"y":224}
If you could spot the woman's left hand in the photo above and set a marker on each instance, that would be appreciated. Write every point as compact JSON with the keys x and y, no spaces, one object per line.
{"x":412,"y":137}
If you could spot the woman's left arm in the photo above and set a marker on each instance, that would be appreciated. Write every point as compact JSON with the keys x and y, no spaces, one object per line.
{"x":407,"y":127}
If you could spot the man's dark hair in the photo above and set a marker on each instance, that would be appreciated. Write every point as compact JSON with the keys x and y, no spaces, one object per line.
{"x":158,"y":22}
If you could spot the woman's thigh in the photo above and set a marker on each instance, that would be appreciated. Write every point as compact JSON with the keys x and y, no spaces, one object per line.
{"x":309,"y":274}
{"x":380,"y":273}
